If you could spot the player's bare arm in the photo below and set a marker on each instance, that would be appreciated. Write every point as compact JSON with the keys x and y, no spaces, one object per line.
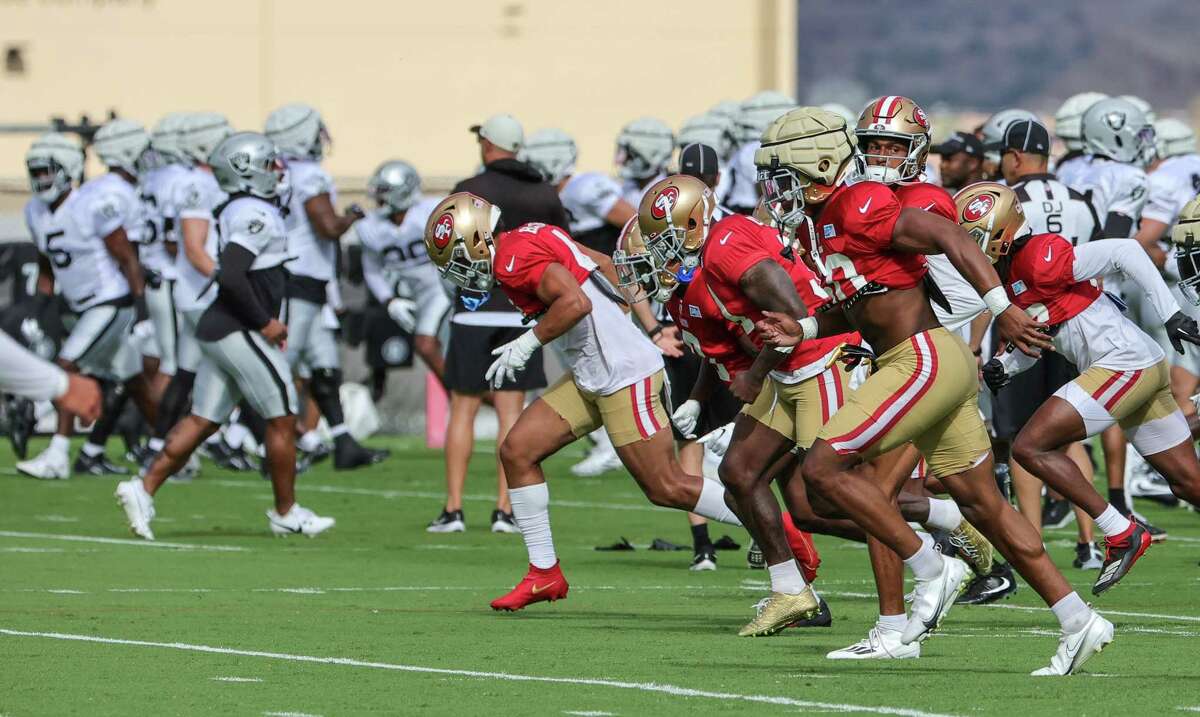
{"x":768,"y":285}
{"x":325,"y":219}
{"x":567,"y":303}
{"x":195,"y":234}
{"x":122,"y":251}
{"x":780,"y":329}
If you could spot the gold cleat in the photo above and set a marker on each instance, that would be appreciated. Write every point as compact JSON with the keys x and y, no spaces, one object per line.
{"x":973,"y":548}
{"x":780,"y":610}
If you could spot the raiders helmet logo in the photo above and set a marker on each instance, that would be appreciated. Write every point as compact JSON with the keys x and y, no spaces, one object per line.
{"x":1115,"y":120}
{"x":919,"y":117}
{"x":979,"y":207}
{"x":443,"y":230}
{"x":664,"y":202}
{"x":240,"y":161}
{"x":255,"y":226}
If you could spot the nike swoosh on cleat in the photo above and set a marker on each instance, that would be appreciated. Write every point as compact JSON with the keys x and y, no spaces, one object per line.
{"x":536,"y":589}
{"x":1004,"y":584}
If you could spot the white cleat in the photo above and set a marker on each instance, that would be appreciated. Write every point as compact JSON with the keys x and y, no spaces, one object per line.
{"x":601,"y":459}
{"x":298,"y":521}
{"x":1078,"y":647}
{"x":47,"y":465}
{"x":880,"y":644}
{"x":932,"y":599}
{"x":138,"y":505}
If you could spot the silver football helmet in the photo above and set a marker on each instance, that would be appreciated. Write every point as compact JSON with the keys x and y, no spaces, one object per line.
{"x":395,"y":184}
{"x":164,"y":138}
{"x":1173,"y":138}
{"x":1117,"y":129}
{"x":1142,"y":105}
{"x":1068,"y":120}
{"x":54,"y":164}
{"x":199,"y":135}
{"x":644,"y":148}
{"x":994,"y":127}
{"x":726,"y":108}
{"x":247,"y":163}
{"x":298,"y":131}
{"x":120,"y":143}
{"x":712,"y":129}
{"x":756,"y":113}
{"x":551,"y":152}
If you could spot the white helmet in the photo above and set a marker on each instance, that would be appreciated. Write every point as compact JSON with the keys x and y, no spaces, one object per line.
{"x":395,"y":184}
{"x":247,"y":163}
{"x":726,"y":108}
{"x":297,"y":130}
{"x":644,"y":148}
{"x":199,"y":135}
{"x":756,"y":113}
{"x":993,"y":129}
{"x":552,"y":153}
{"x":120,"y":143}
{"x":164,"y":138}
{"x":1173,"y":138}
{"x":712,"y":129}
{"x":1142,"y":105}
{"x":1118,"y":129}
{"x":1068,"y":120}
{"x":54,"y":163}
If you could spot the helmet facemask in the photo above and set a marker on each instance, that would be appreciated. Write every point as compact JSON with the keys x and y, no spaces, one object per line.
{"x":472,"y":275}
{"x":637,"y":275}
{"x":631,"y":164}
{"x":996,"y":243}
{"x":1186,"y":237}
{"x":680,"y":246}
{"x":883,"y":167}
{"x":48,"y":180}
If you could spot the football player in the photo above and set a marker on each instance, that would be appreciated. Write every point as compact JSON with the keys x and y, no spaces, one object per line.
{"x":716,"y":131}
{"x":614,"y":378}
{"x":870,"y":253}
{"x":1124,"y":377}
{"x":644,"y":148}
{"x":992,"y":131}
{"x":84,"y":241}
{"x":314,"y":228}
{"x":242,"y":338}
{"x":962,"y":160}
{"x":753,"y":117}
{"x":1068,"y":127}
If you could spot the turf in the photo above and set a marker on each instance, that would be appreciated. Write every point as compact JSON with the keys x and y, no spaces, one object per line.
{"x":637,"y":625}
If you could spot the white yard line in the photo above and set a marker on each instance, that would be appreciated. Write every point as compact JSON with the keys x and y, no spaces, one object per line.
{"x":289,"y":714}
{"x":122,"y":541}
{"x":236,"y":679}
{"x":672,"y":690}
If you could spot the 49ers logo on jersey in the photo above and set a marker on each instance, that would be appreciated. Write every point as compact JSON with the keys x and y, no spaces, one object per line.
{"x":979,"y":207}
{"x":443,"y":230}
{"x":664,"y":202}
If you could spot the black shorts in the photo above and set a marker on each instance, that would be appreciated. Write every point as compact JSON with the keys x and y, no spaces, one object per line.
{"x":682,"y":374}
{"x":470,"y":354}
{"x":1016,"y":403}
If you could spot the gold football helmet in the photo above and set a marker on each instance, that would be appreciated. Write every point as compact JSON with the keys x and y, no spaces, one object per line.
{"x":458,"y":237}
{"x":1186,"y":238}
{"x":674,"y":216}
{"x":898,"y":118}
{"x":637,"y":272}
{"x":992,"y":215}
{"x":805,"y":155}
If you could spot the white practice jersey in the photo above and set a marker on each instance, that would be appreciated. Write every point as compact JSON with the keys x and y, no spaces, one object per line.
{"x":162,"y":218}
{"x":632,"y":190}
{"x":1052,"y":207}
{"x":1070,"y":170}
{"x":965,"y":302}
{"x":196,"y":195}
{"x":744,"y":177}
{"x":72,"y":238}
{"x":395,"y":262}
{"x":256,"y":225}
{"x":588,"y":198}
{"x":1114,"y":188}
{"x":314,"y":257}
{"x":1171,"y":185}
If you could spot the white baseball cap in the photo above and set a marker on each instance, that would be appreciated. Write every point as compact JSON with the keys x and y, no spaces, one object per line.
{"x":502,"y":130}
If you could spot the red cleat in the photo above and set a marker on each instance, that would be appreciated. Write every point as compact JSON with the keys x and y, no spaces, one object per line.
{"x":802,"y":547}
{"x":538,"y":585}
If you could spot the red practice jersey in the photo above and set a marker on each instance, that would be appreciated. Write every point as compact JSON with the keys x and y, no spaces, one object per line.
{"x":927,"y":197}
{"x":737,"y":243}
{"x":853,"y":242}
{"x":706,"y":331}
{"x":1041,"y":280}
{"x":521,"y":257}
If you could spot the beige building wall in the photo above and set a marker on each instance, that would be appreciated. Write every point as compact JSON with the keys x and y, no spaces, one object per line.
{"x":393,"y":79}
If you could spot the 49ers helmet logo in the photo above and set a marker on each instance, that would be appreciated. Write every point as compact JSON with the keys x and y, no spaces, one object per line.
{"x":979,"y":207}
{"x":443,"y":230}
{"x":664,"y":202}
{"x":919,"y":117}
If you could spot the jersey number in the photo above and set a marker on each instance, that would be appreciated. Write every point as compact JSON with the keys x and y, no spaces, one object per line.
{"x":694,"y":344}
{"x":58,"y":257}
{"x":832,"y":263}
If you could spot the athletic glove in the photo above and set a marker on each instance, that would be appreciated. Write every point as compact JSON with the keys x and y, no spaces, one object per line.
{"x":995,"y":376}
{"x":685,"y":418}
{"x":512,"y":358}
{"x":1180,"y":328}
{"x":717,"y":440}
{"x":852,"y":355}
{"x":403,"y":312}
{"x":356,"y":211}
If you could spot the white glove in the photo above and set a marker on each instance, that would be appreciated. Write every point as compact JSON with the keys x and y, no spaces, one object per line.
{"x":403,"y":312}
{"x":143,"y":331}
{"x":512,"y":358}
{"x":717,"y":440}
{"x":685,"y":418}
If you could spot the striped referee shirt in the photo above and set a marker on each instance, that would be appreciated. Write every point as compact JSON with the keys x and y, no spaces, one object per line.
{"x":1052,"y":207}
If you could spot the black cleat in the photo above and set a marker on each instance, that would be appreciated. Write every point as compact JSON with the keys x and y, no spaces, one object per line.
{"x":348,"y":454}
{"x":98,"y":466}
{"x":1120,"y":553}
{"x":231,"y":459}
{"x":754,"y":557}
{"x":823,"y":618}
{"x":21,"y":423}
{"x":704,"y":559}
{"x":138,"y":453}
{"x":450,"y":521}
{"x":321,"y":453}
{"x":1000,"y":583}
{"x":503,"y":522}
{"x":1056,"y":513}
{"x":1157,"y":534}
{"x":1088,"y":557}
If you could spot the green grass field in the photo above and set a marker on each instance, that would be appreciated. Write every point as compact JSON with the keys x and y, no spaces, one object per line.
{"x":379,"y":617}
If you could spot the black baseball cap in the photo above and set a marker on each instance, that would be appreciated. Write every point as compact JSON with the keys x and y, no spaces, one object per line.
{"x":960,"y":142}
{"x":1024,"y":136}
{"x":698,"y":160}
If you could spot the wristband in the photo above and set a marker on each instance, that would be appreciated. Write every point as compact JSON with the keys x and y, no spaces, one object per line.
{"x":656,"y":331}
{"x":997,"y":301}
{"x":808,"y":328}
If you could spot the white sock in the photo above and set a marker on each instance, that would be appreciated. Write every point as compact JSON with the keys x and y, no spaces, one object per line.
{"x":943,"y":514}
{"x":712,"y":503}
{"x":155,"y":444}
{"x":926,"y":563}
{"x":892,"y":622}
{"x":60,"y":444}
{"x":235,"y":435}
{"x":531,"y":510}
{"x":1072,"y":612}
{"x":786,"y":578}
{"x":91,"y":450}
{"x":310,"y":441}
{"x":338,"y":430}
{"x":1111,"y":522}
